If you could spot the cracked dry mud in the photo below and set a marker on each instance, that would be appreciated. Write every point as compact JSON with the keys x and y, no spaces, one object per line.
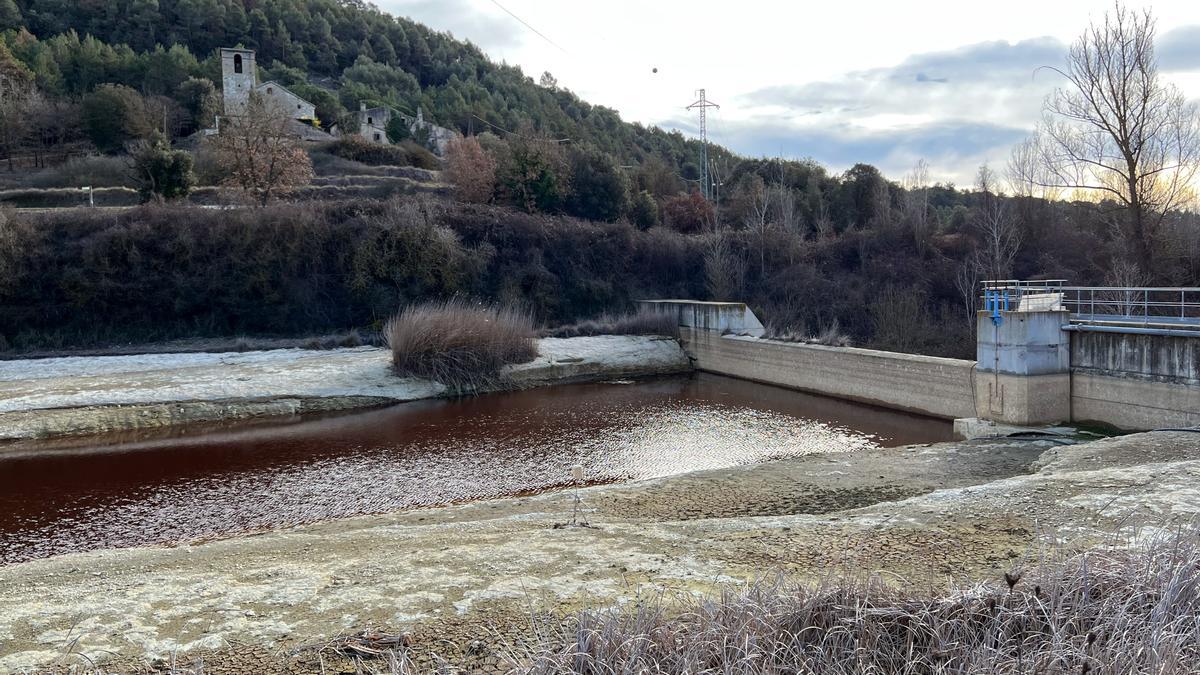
{"x":464,"y":581}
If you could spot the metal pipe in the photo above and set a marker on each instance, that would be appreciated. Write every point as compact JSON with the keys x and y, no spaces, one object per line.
{"x":1134,"y":330}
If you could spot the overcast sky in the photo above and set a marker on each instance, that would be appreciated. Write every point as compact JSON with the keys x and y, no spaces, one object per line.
{"x":887,"y":83}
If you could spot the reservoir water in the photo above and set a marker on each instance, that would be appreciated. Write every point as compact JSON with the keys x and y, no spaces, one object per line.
{"x":199,"y":482}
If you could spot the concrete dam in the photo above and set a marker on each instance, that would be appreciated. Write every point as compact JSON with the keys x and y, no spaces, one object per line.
{"x":1045,"y":354}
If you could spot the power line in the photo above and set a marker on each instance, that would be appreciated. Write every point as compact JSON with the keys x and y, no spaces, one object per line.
{"x":513,"y":133}
{"x":524,"y":23}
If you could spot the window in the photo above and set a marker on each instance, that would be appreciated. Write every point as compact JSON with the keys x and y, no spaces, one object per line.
{"x":370,"y":120}
{"x":270,"y":90}
{"x":377,"y":139}
{"x":297,"y":106}
{"x":237,"y":63}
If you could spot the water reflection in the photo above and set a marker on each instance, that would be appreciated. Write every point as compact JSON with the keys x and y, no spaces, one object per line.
{"x":173,"y":486}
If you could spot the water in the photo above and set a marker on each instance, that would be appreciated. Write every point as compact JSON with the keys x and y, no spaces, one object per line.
{"x":216,"y":480}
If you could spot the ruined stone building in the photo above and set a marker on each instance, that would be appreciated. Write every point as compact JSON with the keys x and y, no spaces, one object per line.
{"x":239,"y":78}
{"x":372,"y":127}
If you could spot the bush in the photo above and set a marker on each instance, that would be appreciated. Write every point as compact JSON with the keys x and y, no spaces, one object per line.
{"x":96,"y":171}
{"x":688,"y":213}
{"x":161,"y":173}
{"x":377,"y":154}
{"x":642,"y":322}
{"x":460,"y":344}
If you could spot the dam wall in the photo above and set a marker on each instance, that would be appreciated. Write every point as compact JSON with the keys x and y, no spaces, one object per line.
{"x":1033,"y":368}
{"x":1134,"y":380}
{"x":929,"y":385}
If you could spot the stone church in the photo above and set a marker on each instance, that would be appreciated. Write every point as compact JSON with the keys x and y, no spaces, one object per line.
{"x":239,"y":77}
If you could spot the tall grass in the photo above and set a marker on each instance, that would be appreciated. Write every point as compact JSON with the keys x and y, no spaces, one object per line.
{"x":460,"y":344}
{"x":642,"y":322}
{"x":1109,"y":611}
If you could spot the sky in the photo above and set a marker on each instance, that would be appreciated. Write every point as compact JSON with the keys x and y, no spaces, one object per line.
{"x":953,"y":82}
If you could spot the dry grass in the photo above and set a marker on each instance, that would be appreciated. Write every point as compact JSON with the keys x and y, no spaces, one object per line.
{"x":642,"y":322}
{"x":1110,"y":611}
{"x":461,"y":344}
{"x":830,"y":335}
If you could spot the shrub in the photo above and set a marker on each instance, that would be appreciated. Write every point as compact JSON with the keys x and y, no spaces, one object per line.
{"x":161,"y":173}
{"x":830,"y":335}
{"x":96,"y":171}
{"x":372,"y":154}
{"x":420,"y":156}
{"x":460,"y":344}
{"x":642,"y":322}
{"x":471,"y":170}
{"x":688,"y":213}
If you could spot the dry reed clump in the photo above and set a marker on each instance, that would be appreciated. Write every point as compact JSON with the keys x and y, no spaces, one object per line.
{"x":830,"y":335}
{"x":460,"y":344}
{"x":1109,"y":611}
{"x":642,"y":322}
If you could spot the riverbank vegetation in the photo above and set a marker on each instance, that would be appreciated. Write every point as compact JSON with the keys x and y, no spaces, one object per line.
{"x":1109,"y":611}
{"x":641,"y":322}
{"x":461,"y":344}
{"x":86,"y":278}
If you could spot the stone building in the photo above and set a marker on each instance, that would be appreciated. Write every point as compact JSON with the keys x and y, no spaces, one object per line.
{"x":372,"y":127}
{"x":239,"y":78}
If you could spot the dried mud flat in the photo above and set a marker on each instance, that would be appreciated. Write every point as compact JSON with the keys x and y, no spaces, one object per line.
{"x":463,"y":582}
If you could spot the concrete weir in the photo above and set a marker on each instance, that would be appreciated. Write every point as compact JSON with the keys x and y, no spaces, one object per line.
{"x":1033,"y":367}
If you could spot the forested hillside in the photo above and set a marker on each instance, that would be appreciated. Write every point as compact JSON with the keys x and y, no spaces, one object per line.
{"x":892,"y":263}
{"x":337,"y":53}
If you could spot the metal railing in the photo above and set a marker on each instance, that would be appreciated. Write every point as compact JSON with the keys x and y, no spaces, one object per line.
{"x":1148,"y":307}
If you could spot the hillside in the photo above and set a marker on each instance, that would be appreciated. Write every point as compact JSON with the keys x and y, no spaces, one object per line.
{"x":337,"y":53}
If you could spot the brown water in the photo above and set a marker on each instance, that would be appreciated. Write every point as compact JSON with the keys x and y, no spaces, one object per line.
{"x":203,"y":482}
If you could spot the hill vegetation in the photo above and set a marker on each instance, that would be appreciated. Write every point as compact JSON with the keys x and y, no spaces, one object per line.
{"x":556,"y":203}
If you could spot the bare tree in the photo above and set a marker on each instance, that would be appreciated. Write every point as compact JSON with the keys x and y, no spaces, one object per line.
{"x":997,"y":228}
{"x":916,"y":203}
{"x":724,"y":270}
{"x":258,"y":152}
{"x":785,"y":203}
{"x":1118,"y":131}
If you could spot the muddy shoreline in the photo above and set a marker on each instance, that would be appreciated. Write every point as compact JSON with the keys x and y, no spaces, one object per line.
{"x":468,"y":575}
{"x":47,"y":398}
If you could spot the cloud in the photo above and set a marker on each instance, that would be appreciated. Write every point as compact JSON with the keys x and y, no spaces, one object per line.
{"x":955,"y":108}
{"x":954,"y":149}
{"x":997,"y":80}
{"x":1179,"y":49}
{"x":491,"y":32}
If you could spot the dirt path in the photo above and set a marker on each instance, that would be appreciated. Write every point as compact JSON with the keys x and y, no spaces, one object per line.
{"x":454,"y":576}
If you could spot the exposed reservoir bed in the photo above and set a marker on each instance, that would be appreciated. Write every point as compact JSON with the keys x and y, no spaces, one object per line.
{"x":195,"y":483}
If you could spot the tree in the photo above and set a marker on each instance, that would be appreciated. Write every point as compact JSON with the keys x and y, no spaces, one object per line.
{"x":548,"y":81}
{"x":114,"y":115}
{"x":159,"y":171}
{"x":471,"y":170}
{"x":598,"y":188}
{"x":1118,"y":131}
{"x":258,"y":153}
{"x":18,"y":99}
{"x":397,"y":130}
{"x":997,"y":228}
{"x":200,"y":101}
{"x":643,"y":210}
